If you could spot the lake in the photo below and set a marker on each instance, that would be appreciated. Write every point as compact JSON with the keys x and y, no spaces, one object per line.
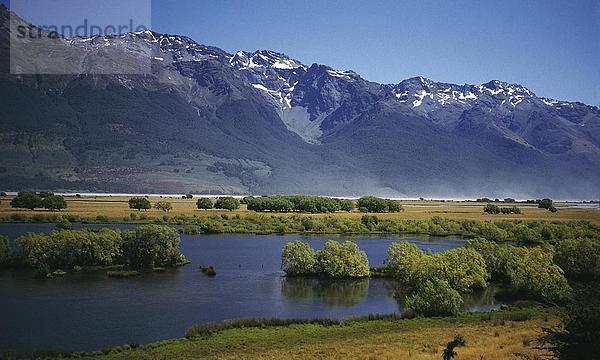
{"x":88,"y":311}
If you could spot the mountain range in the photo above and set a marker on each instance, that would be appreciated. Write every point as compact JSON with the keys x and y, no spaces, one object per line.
{"x":178,"y":116}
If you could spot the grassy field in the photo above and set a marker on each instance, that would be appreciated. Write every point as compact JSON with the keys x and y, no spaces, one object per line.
{"x":486,"y":338}
{"x":116,"y":209}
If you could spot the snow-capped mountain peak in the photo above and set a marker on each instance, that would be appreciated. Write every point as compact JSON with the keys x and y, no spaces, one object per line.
{"x":264,"y":59}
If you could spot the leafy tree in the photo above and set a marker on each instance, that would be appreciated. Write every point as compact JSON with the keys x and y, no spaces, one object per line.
{"x":434,"y":297}
{"x":547,"y":204}
{"x":139,"y":203}
{"x":227,"y":203}
{"x":152,"y":246}
{"x":3,"y":194}
{"x":394,"y":206}
{"x":370,"y":221}
{"x":407,"y":262}
{"x":4,"y":250}
{"x":342,"y":260}
{"x":204,"y":203}
{"x":245,"y":199}
{"x":54,"y":202}
{"x":26,"y":200}
{"x":378,"y":205}
{"x":346,"y":205}
{"x":67,"y":248}
{"x":580,"y":259}
{"x":298,"y":258}
{"x":464,"y":269}
{"x":491,"y":209}
{"x":497,"y":257}
{"x":578,"y":336}
{"x":533,"y":272}
{"x":189,"y":196}
{"x":164,"y":206}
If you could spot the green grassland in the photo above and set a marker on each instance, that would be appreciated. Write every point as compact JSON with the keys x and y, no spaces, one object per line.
{"x":499,"y":335}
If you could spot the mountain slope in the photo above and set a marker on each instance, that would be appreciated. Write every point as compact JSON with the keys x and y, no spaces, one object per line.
{"x":180,"y":116}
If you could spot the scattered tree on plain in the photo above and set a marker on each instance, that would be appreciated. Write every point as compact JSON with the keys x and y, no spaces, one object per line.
{"x":227,"y":203}
{"x":164,"y":206}
{"x":204,"y":203}
{"x":54,"y":202}
{"x":139,"y":203}
{"x":26,"y":200}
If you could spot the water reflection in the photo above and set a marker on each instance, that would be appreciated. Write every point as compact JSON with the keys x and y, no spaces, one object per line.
{"x":330,"y":292}
{"x":477,"y":301}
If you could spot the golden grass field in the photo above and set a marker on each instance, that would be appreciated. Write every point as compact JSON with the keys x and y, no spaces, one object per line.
{"x":116,"y":208}
{"x":383,"y":339}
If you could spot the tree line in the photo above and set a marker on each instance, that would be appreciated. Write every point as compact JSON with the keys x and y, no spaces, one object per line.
{"x":147,"y":246}
{"x":32,"y":200}
{"x":319,"y":204}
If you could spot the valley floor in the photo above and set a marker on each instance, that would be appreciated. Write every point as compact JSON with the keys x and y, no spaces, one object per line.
{"x":487,"y":337}
{"x":116,"y":209}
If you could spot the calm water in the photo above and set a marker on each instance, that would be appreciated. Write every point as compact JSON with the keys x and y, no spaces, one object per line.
{"x":90,"y":311}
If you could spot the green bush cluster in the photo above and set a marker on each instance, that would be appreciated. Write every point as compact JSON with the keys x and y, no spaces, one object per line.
{"x":462,"y":269}
{"x":336,"y":260}
{"x":377,"y":205}
{"x":579,"y":258}
{"x":147,"y":246}
{"x":227,"y":203}
{"x":495,"y":210}
{"x":300,"y":203}
{"x":547,"y":204}
{"x":530,"y":271}
{"x":434,"y":297}
{"x":204,"y":203}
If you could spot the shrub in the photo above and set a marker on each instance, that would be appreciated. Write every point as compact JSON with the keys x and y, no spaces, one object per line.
{"x":497,"y":257}
{"x":164,"y":206}
{"x":139,"y":203}
{"x":208,"y":270}
{"x":547,"y":204}
{"x":68,"y":248}
{"x":341,"y":260}
{"x":533,"y":272}
{"x":580,"y":259}
{"x":407,"y":262}
{"x":463,"y":269}
{"x":204,"y":203}
{"x":216,"y":327}
{"x":227,"y":203}
{"x":298,"y":258}
{"x":491,"y":209}
{"x":578,"y":336}
{"x":449,"y":352}
{"x":369,"y":221}
{"x":434,"y":297}
{"x":346,"y":205}
{"x":153,"y":246}
{"x":63,"y":224}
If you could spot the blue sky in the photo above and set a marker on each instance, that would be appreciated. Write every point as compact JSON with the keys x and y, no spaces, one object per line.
{"x":552,"y":47}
